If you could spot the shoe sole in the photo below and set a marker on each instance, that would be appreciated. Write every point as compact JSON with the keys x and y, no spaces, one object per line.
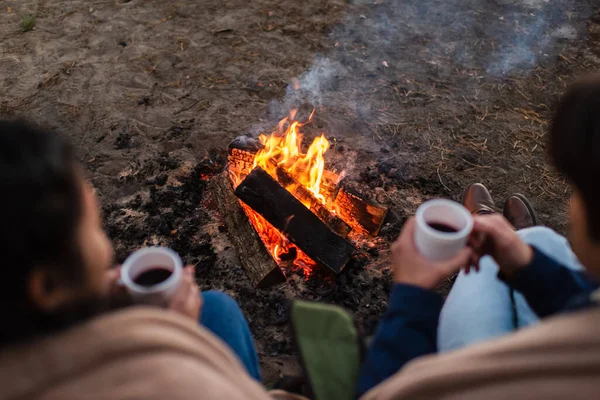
{"x":527,"y":203}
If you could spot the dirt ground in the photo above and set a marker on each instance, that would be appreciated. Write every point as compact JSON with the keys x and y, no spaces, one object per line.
{"x":419,"y":98}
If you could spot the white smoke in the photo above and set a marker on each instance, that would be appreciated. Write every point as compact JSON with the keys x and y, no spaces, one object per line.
{"x":394,"y":37}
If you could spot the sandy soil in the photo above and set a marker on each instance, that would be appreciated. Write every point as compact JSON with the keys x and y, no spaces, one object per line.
{"x":419,"y":98}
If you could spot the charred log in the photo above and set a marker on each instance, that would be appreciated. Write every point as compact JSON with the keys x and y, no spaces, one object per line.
{"x":308,"y":199}
{"x":351,"y":206}
{"x":267,"y":197}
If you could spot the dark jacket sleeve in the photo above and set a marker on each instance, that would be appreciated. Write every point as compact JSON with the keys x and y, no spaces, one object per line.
{"x":547,"y":285}
{"x":407,"y":330}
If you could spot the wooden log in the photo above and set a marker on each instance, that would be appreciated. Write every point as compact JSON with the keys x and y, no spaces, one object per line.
{"x":329,"y":184}
{"x":312,"y":203}
{"x":287,"y":214}
{"x":357,"y":210}
{"x":241,"y":153}
{"x":260,"y":267}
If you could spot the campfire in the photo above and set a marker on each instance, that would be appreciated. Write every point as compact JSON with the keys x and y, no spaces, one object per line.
{"x":287,"y":204}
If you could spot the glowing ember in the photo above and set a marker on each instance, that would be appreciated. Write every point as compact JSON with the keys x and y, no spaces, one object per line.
{"x":277,"y":244}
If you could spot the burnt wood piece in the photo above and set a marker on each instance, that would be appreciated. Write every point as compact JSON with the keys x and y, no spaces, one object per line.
{"x":309,"y":200}
{"x":241,"y":153}
{"x":329,"y":183}
{"x":267,"y":197}
{"x":351,"y":206}
{"x":260,"y":267}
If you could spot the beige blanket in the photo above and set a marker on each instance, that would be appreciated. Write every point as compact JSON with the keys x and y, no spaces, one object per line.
{"x":138,"y":353}
{"x":144,"y":353}
{"x":557,"y":359}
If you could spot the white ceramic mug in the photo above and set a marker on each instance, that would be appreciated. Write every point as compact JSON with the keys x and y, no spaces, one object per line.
{"x":144,"y":260}
{"x":439,"y":245}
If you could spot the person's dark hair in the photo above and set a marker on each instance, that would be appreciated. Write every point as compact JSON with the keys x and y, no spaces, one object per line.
{"x":575,"y":145}
{"x":40,"y":209}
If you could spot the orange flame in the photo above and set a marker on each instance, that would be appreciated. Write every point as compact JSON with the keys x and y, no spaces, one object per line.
{"x":283,"y":149}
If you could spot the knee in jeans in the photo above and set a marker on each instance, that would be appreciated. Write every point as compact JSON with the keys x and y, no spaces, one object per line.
{"x":221,"y":301}
{"x":538,"y":234}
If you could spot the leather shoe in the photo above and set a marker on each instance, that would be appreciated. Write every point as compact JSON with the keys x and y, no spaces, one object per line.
{"x":477,"y":199}
{"x":519,"y":212}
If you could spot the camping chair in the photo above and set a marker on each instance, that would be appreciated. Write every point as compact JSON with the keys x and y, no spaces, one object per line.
{"x":330,"y":348}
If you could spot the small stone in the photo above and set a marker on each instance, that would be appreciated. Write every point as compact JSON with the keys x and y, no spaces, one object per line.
{"x":394,"y":173}
{"x":144,"y":101}
{"x":161,"y":179}
{"x":373,"y":251}
{"x":384,"y":167}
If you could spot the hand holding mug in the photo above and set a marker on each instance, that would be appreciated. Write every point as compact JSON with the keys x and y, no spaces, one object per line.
{"x":413,"y":268}
{"x":117,"y":294}
{"x":493,"y":235}
{"x":155,"y":275}
{"x":187,"y":300}
{"x":152,"y":275}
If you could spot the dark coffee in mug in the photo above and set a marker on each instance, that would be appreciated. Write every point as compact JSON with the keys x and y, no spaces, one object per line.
{"x":439,"y":226}
{"x":153,"y":276}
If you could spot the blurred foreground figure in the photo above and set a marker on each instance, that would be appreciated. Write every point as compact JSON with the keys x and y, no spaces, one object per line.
{"x":517,"y":274}
{"x":59,"y":338}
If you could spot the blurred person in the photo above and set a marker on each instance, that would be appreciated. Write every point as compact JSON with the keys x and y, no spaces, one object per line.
{"x":59,"y":337}
{"x":490,"y":341}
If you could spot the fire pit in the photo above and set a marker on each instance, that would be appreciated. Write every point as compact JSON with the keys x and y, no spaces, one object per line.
{"x":284,"y":210}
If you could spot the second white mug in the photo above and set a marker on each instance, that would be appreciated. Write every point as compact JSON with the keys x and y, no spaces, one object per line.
{"x":442,"y":229}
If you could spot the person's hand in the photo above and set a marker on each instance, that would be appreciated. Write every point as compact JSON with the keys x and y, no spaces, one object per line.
{"x":117,"y":295}
{"x":410,"y":267}
{"x":187,"y":300}
{"x":493,"y":235}
{"x":113,"y":288}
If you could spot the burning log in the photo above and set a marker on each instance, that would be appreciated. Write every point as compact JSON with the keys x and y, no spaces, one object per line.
{"x":279,"y":207}
{"x":351,"y":206}
{"x":241,"y":153}
{"x":329,"y":183}
{"x":262,"y":270}
{"x":306,"y":197}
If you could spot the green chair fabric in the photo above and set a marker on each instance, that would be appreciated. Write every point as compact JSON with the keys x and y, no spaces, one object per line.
{"x":330,"y":349}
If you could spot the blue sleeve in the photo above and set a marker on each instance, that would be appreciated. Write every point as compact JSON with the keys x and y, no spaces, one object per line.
{"x":547,"y":285}
{"x":407,"y":330}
